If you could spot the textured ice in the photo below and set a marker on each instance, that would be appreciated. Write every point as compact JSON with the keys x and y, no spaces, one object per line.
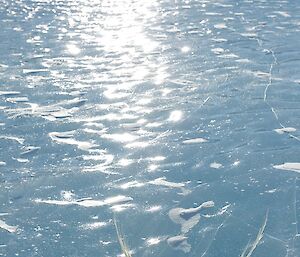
{"x":93,"y":225}
{"x":9,"y":93}
{"x":163,"y":182}
{"x":20,"y":99}
{"x":137,"y":144}
{"x":8,"y":228}
{"x":218,"y":50}
{"x":125,"y":162}
{"x":220,"y":26}
{"x":88,"y":202}
{"x":198,"y":140}
{"x":30,"y":150}
{"x":22,"y":160}
{"x":73,"y":49}
{"x":292,"y":166}
{"x":126,"y":137}
{"x":132,"y":184}
{"x":18,"y":139}
{"x":154,"y":208}
{"x":285,"y":130}
{"x":101,"y":168}
{"x":153,"y":240}
{"x":188,"y":218}
{"x":179,"y":242}
{"x":283,"y":14}
{"x":215,"y":165}
{"x":175,"y":116}
{"x":160,"y":105}
{"x":66,"y":138}
{"x":122,"y":207}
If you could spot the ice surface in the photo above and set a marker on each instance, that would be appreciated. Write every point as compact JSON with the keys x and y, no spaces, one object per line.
{"x":292,"y":166}
{"x":188,"y":218}
{"x":179,"y":242}
{"x":141,"y":111}
{"x":216,"y":165}
{"x":195,"y":141}
{"x":285,"y":130}
{"x":8,"y":228}
{"x":87,"y":202}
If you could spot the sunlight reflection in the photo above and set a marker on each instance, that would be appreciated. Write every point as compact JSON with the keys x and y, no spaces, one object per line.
{"x":152,"y":167}
{"x":157,"y":158}
{"x":123,"y":138}
{"x":125,"y":162}
{"x":122,"y":34}
{"x":185,"y":49}
{"x":132,"y":184}
{"x":73,"y":49}
{"x":175,"y":116}
{"x":153,"y":241}
{"x":154,"y":208}
{"x":122,"y":207}
{"x":125,"y":59}
{"x":137,"y":145}
{"x":160,"y":78}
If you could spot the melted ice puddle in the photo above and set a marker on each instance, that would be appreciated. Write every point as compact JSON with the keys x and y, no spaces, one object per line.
{"x":188,"y":218}
{"x":180,"y":243}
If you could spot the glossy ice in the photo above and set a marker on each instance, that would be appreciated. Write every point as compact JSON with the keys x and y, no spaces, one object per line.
{"x":179,"y":119}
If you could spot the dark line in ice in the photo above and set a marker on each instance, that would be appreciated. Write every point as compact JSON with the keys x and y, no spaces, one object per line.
{"x":266,"y":92}
{"x":215,"y":234}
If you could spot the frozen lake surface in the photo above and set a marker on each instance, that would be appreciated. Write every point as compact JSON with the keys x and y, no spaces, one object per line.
{"x":178,"y":119}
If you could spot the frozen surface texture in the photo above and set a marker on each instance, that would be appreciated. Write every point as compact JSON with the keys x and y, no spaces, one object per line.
{"x":178,"y":119}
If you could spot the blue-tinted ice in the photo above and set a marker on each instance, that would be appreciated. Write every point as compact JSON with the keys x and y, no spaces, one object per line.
{"x":178,"y":119}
